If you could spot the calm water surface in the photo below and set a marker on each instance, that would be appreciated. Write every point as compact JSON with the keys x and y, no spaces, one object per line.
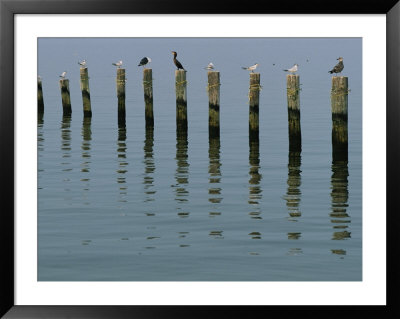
{"x":130,"y":203}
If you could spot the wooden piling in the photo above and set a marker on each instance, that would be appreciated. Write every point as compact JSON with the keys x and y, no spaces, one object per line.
{"x":148,"y":96}
{"x":181,"y":98}
{"x":121,"y":95}
{"x":254,"y":101}
{"x":339,"y":107}
{"x":87,"y":109}
{"x":213,"y":103}
{"x":65,"y":97}
{"x":293,"y":102}
{"x":40,"y":96}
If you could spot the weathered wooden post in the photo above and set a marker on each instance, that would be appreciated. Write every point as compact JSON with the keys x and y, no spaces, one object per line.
{"x":65,"y":97}
{"x":87,"y":109}
{"x":148,"y":96}
{"x":339,"y":107}
{"x":121,"y":95}
{"x":293,"y":101}
{"x":254,"y":101}
{"x":40,"y":96}
{"x":213,"y":103}
{"x":181,"y":99}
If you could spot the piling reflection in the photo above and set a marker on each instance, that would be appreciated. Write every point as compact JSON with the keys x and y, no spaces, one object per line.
{"x":182,"y":171}
{"x":214,"y":171}
{"x":40,"y":133}
{"x":149,"y":167}
{"x":122,"y":162}
{"x":293,"y":193}
{"x":40,"y":146}
{"x":340,"y":195}
{"x":86,"y":156}
{"x":66,"y":152}
{"x":255,"y":191}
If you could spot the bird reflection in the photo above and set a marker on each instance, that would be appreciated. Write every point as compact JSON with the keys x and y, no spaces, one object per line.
{"x":182,"y":171}
{"x":122,"y":162}
{"x":214,"y":171}
{"x":86,"y":157}
{"x":255,"y":178}
{"x":148,"y":179}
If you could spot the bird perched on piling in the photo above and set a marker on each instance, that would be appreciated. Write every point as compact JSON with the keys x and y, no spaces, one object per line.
{"x":144,"y":61}
{"x":62,"y":76}
{"x":293,"y":69}
{"x":210,"y":66}
{"x":118,"y":64}
{"x":338,"y":67}
{"x":82,"y":63}
{"x":250,"y":68}
{"x":177,"y":63}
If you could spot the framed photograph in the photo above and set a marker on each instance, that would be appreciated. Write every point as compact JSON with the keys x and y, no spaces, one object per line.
{"x":174,"y":159}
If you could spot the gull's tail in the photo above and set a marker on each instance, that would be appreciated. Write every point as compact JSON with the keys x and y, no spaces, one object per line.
{"x":244,"y":68}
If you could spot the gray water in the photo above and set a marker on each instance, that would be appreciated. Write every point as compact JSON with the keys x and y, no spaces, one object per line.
{"x":130,"y":204}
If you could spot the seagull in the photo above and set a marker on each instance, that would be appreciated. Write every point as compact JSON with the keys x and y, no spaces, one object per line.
{"x":82,"y":63}
{"x":62,"y":76}
{"x":293,"y":69}
{"x":250,"y":68}
{"x":210,"y":66}
{"x":144,"y":61}
{"x":338,"y":67}
{"x":177,"y":63}
{"x":118,"y":64}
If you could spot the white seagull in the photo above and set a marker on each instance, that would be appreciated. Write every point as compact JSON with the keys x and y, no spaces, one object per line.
{"x":210,"y":66}
{"x":250,"y":68}
{"x":118,"y":64}
{"x":62,"y":76}
{"x":293,"y":69}
{"x":82,"y":63}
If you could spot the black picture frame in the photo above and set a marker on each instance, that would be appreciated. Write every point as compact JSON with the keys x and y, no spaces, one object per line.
{"x":8,"y":10}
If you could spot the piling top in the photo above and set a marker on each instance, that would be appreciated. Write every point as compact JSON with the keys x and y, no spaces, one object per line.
{"x":255,"y":77}
{"x":213,"y":76}
{"x":340,"y":83}
{"x":180,"y":72}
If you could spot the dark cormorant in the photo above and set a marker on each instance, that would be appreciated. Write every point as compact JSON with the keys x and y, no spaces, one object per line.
{"x":177,"y":63}
{"x":144,"y":61}
{"x":338,"y":67}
